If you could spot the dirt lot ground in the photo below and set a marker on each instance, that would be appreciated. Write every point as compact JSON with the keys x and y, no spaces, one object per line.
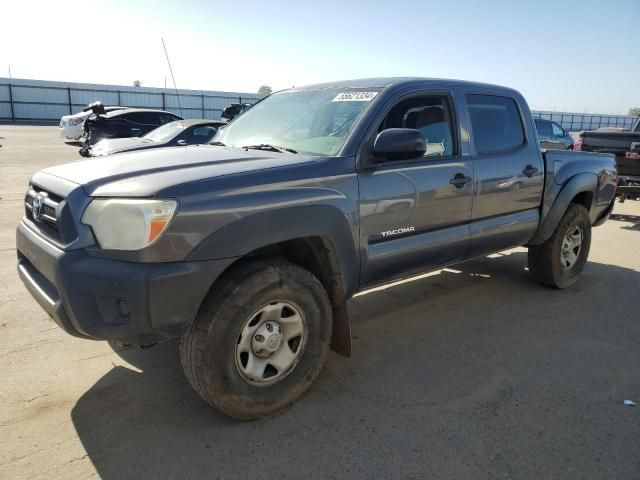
{"x":471,"y":372}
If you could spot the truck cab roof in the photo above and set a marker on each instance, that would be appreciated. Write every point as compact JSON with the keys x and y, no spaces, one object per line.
{"x":400,"y":82}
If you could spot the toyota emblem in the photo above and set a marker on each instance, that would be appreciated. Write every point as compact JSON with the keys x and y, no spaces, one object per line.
{"x":36,"y":209}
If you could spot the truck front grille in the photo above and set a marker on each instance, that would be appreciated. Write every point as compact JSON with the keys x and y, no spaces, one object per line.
{"x":41,"y":207}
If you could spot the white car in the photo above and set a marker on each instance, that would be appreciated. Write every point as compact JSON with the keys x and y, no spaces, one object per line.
{"x":72,"y":126}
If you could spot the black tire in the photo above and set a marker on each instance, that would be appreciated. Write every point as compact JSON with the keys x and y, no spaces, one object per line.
{"x":545,"y":261}
{"x":208,"y":350}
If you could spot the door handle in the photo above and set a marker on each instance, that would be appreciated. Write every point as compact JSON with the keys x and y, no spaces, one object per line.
{"x":460,"y":180}
{"x":530,"y":171}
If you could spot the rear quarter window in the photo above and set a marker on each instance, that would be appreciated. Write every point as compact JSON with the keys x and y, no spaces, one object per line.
{"x":168,"y":117}
{"x":495,"y":123}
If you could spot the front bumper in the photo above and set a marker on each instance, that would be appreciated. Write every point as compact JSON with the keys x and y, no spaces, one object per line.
{"x":104,"y":299}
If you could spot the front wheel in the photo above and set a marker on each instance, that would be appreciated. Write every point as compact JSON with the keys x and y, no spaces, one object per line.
{"x":259,"y":340}
{"x":559,"y":261}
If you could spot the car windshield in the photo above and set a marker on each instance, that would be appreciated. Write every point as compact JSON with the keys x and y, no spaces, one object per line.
{"x":315,"y":122}
{"x":166,"y":132}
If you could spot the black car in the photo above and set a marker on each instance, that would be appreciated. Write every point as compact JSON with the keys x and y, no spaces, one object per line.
{"x":180,"y":132}
{"x":132,"y":122}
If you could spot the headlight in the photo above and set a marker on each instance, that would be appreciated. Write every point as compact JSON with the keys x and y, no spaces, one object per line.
{"x":128,"y":224}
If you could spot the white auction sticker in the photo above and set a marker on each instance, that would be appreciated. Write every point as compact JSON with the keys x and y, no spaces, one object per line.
{"x":355,"y":97}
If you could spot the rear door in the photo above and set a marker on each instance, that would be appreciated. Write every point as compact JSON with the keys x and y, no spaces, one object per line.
{"x":132,"y":124}
{"x":147,"y":121}
{"x":414,"y":214}
{"x":509,"y":174}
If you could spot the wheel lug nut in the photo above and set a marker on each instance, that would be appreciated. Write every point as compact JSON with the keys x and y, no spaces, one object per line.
{"x":259,"y":338}
{"x":269,"y":327}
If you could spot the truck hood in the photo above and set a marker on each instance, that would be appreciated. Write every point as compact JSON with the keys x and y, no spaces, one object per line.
{"x":145,"y":172}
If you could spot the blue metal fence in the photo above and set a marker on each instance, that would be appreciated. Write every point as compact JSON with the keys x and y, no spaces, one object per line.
{"x":41,"y":100}
{"x":576,"y":122}
{"x":38,"y":100}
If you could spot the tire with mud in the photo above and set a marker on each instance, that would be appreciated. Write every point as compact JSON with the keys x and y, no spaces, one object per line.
{"x":559,"y":261}
{"x":259,"y":340}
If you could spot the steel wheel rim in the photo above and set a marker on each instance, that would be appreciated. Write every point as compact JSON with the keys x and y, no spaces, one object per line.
{"x":271,"y":342}
{"x":571,"y":247}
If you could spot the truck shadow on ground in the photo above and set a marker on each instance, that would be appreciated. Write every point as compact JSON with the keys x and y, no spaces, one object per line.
{"x":447,"y":373}
{"x":633,"y":219}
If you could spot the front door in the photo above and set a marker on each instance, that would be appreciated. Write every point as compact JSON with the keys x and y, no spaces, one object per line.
{"x":414,"y":214}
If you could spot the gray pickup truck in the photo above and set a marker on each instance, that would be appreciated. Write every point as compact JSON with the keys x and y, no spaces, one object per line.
{"x":248,"y":249}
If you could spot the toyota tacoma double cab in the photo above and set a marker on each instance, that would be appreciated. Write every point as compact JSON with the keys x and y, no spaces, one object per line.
{"x":249,"y":248}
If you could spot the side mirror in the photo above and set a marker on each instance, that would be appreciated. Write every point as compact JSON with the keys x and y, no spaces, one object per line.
{"x":399,"y":144}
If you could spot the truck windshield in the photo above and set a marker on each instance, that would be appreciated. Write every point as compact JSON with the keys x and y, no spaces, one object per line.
{"x":315,"y":122}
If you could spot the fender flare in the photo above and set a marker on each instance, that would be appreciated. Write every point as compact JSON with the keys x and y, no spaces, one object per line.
{"x":334,"y":227}
{"x":583,"y":182}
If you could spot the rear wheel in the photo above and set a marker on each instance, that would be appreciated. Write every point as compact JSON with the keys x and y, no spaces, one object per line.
{"x":559,"y":261}
{"x":260,"y":340}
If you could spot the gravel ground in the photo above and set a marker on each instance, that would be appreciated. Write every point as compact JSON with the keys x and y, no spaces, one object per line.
{"x":471,"y":372}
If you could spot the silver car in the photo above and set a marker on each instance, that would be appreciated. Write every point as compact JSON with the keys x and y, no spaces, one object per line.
{"x":553,"y":136}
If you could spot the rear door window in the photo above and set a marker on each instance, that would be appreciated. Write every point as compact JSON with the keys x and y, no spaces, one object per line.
{"x":135,"y":117}
{"x":151,"y":118}
{"x":167,"y":117}
{"x":543,"y":127}
{"x":495,"y":123}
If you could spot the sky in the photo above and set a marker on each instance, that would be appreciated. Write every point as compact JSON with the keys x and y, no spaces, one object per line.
{"x":562,"y":55}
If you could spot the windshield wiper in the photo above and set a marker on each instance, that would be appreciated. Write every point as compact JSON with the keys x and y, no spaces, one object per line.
{"x":217,"y":144}
{"x":269,"y":148}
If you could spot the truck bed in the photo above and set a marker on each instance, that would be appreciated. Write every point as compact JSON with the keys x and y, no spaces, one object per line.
{"x":623,"y":144}
{"x":563,"y":166}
